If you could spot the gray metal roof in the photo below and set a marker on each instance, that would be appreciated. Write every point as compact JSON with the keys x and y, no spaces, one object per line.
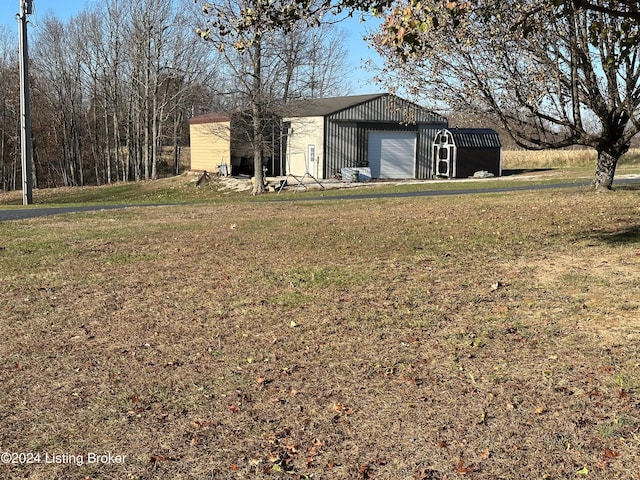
{"x":475,"y":137}
{"x":320,"y":107}
{"x":380,"y":107}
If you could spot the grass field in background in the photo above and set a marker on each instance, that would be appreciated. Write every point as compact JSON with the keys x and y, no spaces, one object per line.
{"x":581,"y":158}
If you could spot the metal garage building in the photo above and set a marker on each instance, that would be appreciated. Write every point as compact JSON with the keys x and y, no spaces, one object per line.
{"x":387,"y":134}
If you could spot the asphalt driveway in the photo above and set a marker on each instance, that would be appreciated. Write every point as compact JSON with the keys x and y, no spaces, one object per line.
{"x":25,"y":213}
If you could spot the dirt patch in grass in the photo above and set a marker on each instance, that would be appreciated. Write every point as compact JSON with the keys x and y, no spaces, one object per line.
{"x":488,"y":337}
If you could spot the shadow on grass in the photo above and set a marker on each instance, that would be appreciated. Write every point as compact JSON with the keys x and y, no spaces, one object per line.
{"x":630,"y":187}
{"x":622,"y":236}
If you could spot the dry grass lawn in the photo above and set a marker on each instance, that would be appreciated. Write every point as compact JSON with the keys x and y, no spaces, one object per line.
{"x":479,"y":337}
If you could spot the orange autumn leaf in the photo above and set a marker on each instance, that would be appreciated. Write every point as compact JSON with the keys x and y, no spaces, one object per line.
{"x":462,"y":469}
{"x":342,"y":409}
{"x":154,"y":460}
{"x":608,"y":453}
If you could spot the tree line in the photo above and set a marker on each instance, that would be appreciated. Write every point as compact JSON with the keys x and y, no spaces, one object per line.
{"x":115,"y":85}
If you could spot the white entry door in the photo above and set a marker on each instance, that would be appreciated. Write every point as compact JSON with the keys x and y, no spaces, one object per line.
{"x":311,"y":160}
{"x":392,"y":154}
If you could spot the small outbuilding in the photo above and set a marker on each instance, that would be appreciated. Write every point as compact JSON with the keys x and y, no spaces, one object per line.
{"x":462,"y":152}
{"x":221,"y":143}
{"x":210,"y":143}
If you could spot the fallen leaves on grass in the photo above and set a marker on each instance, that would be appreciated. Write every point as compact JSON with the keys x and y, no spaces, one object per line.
{"x":314,"y":450}
{"x":200,"y":424}
{"x":343,"y":409}
{"x":539,"y":348}
{"x":463,"y":469}
{"x":608,"y":453}
{"x":365,"y":472}
{"x":154,"y":460}
{"x":427,"y":474}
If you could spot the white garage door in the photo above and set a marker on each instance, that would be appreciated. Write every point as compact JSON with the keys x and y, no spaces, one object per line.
{"x":392,"y":154}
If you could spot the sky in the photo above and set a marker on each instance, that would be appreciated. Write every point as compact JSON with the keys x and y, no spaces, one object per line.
{"x":359,"y":52}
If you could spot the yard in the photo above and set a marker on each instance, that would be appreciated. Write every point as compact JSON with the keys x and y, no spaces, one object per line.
{"x":481,"y":337}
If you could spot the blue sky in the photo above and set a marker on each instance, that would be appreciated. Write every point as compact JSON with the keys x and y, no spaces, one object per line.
{"x":359,"y":52}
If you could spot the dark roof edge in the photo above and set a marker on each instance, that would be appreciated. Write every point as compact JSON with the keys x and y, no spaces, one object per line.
{"x":209,"y":118}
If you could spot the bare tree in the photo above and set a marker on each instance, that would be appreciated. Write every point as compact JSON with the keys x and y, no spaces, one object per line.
{"x":314,"y":62}
{"x":9,"y":111}
{"x":58,"y":69}
{"x":103,"y":54}
{"x":113,"y":85}
{"x":554,"y":76}
{"x":272,"y":52}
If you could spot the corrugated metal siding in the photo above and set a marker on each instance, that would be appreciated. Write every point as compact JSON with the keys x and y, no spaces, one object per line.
{"x":388,"y":108}
{"x":346,"y":132}
{"x":476,"y":149}
{"x":344,"y":147}
{"x":426,"y":137}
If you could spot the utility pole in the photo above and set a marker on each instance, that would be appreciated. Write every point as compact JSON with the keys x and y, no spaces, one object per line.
{"x":26,"y":8}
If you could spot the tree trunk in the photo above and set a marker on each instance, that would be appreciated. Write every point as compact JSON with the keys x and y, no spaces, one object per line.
{"x":605,"y":170}
{"x":107,"y":159}
{"x":156,"y":129}
{"x":176,"y":142}
{"x":257,"y":112}
{"x":258,"y":173}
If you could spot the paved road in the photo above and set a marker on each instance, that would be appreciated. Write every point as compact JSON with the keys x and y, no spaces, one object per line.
{"x":438,"y":193}
{"x":23,"y":213}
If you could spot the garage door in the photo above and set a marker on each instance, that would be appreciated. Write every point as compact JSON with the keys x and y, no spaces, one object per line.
{"x":392,"y":154}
